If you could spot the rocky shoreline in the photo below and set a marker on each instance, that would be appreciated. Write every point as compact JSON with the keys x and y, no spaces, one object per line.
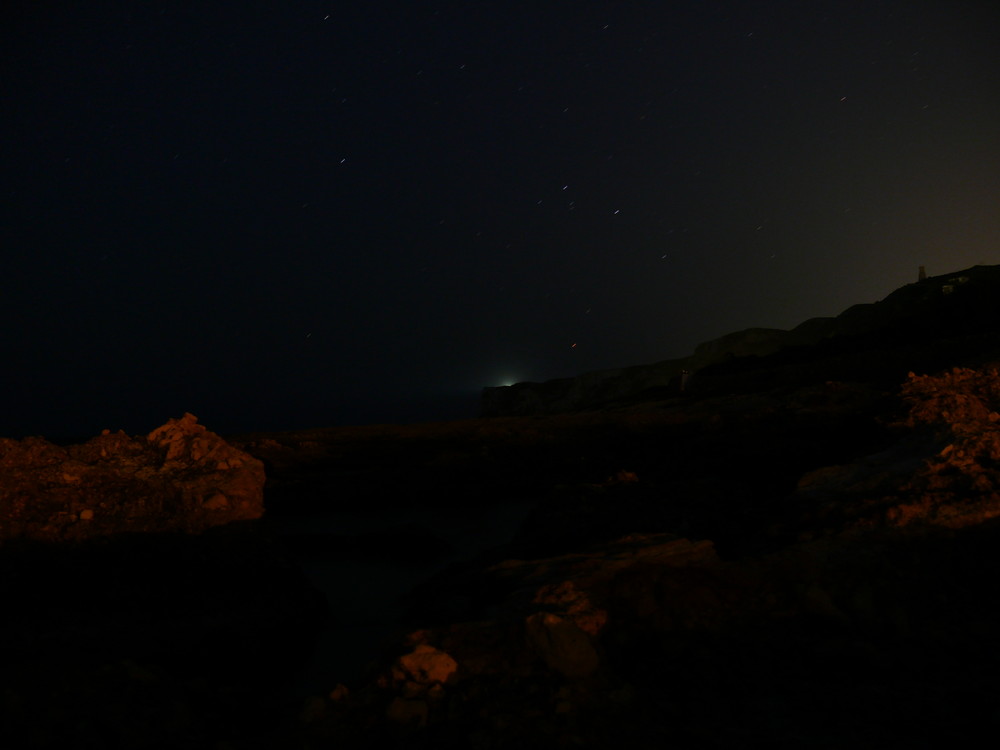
{"x":801,"y":550}
{"x":807,"y":565}
{"x":841,"y":623}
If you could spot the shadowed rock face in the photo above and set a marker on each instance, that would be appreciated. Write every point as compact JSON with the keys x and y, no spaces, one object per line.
{"x":180,"y":477}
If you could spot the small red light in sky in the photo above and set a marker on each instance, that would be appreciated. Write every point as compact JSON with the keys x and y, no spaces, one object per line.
{"x":573,"y":346}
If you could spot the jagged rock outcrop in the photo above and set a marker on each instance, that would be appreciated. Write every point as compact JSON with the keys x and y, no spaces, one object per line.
{"x":806,"y":559}
{"x":871,"y":599}
{"x":586,"y":649}
{"x":180,"y":477}
{"x":941,"y":474}
{"x":546,"y":626}
{"x":552,"y":611}
{"x":121,"y":627}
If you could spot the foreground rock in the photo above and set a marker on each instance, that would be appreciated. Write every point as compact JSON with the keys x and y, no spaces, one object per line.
{"x":144,"y":603}
{"x":658,"y":642}
{"x":867,"y":620}
{"x":180,"y":477}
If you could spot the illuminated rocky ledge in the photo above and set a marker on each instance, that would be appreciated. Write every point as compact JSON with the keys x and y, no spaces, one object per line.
{"x":180,"y":477}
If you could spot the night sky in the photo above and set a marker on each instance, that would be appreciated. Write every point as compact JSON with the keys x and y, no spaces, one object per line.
{"x":302,"y":214}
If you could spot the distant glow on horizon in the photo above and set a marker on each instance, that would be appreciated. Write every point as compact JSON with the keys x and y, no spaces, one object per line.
{"x":609,"y":200}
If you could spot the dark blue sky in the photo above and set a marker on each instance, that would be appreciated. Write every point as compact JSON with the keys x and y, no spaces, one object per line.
{"x":293,"y":214}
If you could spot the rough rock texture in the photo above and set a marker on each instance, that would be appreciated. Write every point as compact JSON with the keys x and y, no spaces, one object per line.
{"x":860,"y":616}
{"x":802,"y":552}
{"x":943,"y":473}
{"x":179,"y":477}
{"x":548,"y":611}
{"x":121,"y":628}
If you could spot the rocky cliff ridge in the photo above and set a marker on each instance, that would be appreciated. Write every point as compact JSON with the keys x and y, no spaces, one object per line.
{"x":954,"y":303}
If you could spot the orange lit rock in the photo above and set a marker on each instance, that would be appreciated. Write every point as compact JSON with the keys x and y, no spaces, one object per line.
{"x":181,"y":477}
{"x":574,"y":604}
{"x":561,"y":645}
{"x":943,"y":473}
{"x":553,"y":616}
{"x":425,"y":665}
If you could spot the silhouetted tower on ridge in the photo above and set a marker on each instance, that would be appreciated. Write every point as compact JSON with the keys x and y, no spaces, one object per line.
{"x":921,"y":274}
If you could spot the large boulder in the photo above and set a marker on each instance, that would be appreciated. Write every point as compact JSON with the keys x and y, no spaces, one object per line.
{"x":143,"y":606}
{"x":180,"y":477}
